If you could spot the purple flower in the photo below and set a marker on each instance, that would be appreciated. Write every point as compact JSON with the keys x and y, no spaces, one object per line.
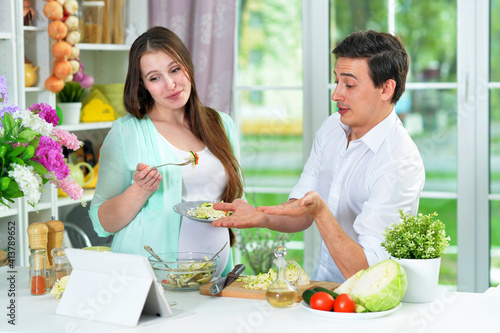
{"x":4,"y":94}
{"x":46,"y":112}
{"x":49,"y":154}
{"x":9,"y":109}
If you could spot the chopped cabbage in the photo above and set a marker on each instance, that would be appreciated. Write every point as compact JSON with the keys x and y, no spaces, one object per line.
{"x":191,"y":275}
{"x":378,"y":288}
{"x":263,"y":280}
{"x":346,"y":287}
{"x":206,"y":211}
{"x":59,"y":287}
{"x":259,"y":281}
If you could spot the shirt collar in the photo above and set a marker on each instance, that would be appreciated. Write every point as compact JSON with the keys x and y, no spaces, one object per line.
{"x":376,"y":136}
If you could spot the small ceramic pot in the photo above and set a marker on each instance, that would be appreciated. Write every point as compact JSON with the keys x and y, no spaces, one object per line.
{"x":423,"y":278}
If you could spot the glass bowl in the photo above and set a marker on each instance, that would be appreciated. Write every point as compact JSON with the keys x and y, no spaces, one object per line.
{"x":184,"y":270}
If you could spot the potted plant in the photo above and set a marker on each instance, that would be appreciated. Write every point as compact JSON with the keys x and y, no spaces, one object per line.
{"x":417,"y":243}
{"x":69,"y":100}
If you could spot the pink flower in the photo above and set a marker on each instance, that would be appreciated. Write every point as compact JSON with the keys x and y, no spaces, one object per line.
{"x":70,"y":187}
{"x":65,"y":138}
{"x":46,"y":112}
{"x":49,"y":154}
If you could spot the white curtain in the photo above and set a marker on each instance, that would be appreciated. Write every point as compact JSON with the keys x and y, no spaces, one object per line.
{"x":207,"y":28}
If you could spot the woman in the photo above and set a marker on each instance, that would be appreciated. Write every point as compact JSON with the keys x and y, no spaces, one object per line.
{"x":166,"y":122}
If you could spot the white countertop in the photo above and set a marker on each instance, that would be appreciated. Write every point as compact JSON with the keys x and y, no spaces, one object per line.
{"x":450,"y":312}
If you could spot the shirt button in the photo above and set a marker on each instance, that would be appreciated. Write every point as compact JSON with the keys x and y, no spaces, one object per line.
{"x":323,"y":264}
{"x":341,"y":155}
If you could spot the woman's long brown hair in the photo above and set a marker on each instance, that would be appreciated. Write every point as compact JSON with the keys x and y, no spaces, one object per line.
{"x":205,"y":123}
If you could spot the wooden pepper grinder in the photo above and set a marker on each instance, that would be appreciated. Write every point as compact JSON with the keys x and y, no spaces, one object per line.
{"x":38,"y":236}
{"x":55,"y":237}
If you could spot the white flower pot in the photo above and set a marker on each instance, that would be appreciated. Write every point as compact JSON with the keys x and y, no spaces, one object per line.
{"x":423,"y":278}
{"x":71,"y":112}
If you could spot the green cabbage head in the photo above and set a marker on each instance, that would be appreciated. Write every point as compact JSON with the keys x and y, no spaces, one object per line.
{"x":379,"y":288}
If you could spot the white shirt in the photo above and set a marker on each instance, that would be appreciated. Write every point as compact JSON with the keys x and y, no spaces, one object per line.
{"x":364,"y":185}
{"x":205,"y":183}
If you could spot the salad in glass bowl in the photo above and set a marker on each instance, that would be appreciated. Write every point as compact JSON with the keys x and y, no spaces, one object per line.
{"x":184,"y":270}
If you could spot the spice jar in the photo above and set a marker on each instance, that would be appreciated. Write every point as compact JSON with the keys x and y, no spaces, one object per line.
{"x":38,"y":274}
{"x":61,"y":266}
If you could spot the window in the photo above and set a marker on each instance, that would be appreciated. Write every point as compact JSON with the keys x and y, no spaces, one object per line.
{"x":268,"y":102}
{"x":450,"y":108}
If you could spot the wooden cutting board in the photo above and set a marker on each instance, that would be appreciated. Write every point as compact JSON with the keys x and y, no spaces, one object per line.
{"x":237,"y":290}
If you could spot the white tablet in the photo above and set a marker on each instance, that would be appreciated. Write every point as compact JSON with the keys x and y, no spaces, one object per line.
{"x":115,"y":288}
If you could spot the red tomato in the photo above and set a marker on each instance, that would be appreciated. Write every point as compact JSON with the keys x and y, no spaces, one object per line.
{"x":344,"y":303}
{"x":322,"y":301}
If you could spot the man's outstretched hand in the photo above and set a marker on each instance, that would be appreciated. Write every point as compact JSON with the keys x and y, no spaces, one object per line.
{"x":311,"y":204}
{"x":243,"y":216}
{"x":295,"y":214}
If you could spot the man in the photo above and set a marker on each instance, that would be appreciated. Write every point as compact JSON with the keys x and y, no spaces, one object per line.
{"x":363,"y":166}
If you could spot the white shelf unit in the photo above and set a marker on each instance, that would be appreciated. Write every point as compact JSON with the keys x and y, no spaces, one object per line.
{"x":16,"y":43}
{"x":107,"y":63}
{"x":104,"y":47}
{"x":8,"y":49}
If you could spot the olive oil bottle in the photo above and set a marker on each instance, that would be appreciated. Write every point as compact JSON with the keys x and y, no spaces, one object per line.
{"x":282,"y":293}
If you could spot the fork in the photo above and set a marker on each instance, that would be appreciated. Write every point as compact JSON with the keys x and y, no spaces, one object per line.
{"x":161,"y":165}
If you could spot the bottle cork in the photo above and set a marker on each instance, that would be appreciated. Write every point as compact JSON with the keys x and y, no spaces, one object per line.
{"x":38,"y":236}
{"x":55,"y":237}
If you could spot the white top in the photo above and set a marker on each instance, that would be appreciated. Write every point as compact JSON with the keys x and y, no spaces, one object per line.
{"x":206,"y":182}
{"x":364,"y":185}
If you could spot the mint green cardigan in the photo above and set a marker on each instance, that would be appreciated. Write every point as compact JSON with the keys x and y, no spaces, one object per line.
{"x":129,"y":142}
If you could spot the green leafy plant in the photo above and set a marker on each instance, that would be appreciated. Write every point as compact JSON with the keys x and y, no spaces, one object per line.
{"x":71,"y":93}
{"x":416,"y":237}
{"x":257,"y":247}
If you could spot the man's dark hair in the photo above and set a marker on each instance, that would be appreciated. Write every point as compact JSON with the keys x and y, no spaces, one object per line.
{"x":386,"y":54}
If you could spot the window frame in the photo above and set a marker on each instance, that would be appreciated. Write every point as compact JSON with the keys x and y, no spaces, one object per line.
{"x":472,"y":195}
